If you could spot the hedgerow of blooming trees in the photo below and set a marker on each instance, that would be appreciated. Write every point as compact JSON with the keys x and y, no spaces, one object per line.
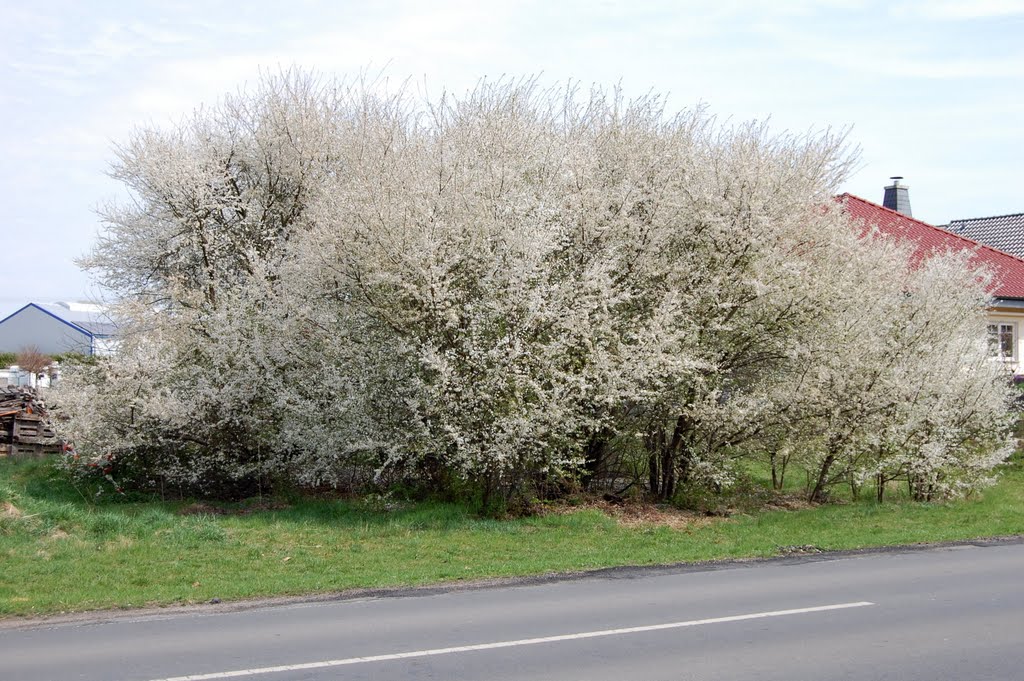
{"x":325,"y":285}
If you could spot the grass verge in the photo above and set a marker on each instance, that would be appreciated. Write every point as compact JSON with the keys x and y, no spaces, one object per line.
{"x":60,"y":553}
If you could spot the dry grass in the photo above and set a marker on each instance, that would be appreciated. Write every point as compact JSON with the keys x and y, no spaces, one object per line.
{"x":634,"y":513}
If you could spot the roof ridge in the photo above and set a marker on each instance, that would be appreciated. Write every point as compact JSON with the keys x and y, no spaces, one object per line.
{"x":961,"y":237}
{"x":988,"y":217}
{"x":889,"y":210}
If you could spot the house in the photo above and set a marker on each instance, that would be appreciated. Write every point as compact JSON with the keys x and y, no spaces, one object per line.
{"x":1005,"y":232}
{"x":55,"y":328}
{"x":1006,"y":312}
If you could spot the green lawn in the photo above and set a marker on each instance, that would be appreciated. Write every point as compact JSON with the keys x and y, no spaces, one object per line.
{"x":60,"y":553}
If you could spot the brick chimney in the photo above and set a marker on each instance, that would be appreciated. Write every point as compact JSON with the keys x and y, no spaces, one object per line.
{"x":897,"y":196}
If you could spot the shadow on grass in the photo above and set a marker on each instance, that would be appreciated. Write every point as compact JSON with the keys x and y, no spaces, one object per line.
{"x":54,"y":503}
{"x":38,"y":489}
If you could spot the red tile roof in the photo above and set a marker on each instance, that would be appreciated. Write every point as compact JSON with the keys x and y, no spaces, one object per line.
{"x":1008,"y":270}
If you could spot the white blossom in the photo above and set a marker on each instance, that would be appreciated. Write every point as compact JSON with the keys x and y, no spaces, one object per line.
{"x":327,"y":283}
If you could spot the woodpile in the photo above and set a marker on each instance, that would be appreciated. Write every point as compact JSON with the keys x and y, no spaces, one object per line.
{"x":25,"y":426}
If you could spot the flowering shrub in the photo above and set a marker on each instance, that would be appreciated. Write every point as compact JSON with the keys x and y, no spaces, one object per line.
{"x":328,"y":286}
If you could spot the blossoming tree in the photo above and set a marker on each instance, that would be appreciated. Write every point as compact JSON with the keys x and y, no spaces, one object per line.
{"x":326,"y":284}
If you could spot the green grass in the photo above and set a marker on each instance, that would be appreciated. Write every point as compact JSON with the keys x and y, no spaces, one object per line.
{"x":59,"y":553}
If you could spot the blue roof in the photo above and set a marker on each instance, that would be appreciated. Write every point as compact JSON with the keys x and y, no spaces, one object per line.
{"x":96,"y":324}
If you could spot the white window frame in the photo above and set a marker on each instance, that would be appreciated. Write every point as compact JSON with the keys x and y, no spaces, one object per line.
{"x":995,"y":336}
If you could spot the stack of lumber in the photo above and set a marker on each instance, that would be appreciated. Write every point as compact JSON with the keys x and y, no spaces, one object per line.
{"x":25,"y":427}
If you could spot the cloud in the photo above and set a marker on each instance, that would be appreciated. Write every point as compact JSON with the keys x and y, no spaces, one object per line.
{"x":901,"y":52}
{"x":419,"y":41}
{"x":958,"y":10}
{"x":931,"y":86}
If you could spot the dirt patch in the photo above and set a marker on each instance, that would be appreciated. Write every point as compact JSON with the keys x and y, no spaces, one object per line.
{"x":631,"y":512}
{"x":789,"y":502}
{"x":9,"y":510}
{"x":638,"y":514}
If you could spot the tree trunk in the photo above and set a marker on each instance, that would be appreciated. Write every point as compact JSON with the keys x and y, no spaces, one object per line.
{"x":488,"y":491}
{"x":597,"y":450}
{"x":668,"y":461}
{"x":652,"y":474}
{"x":668,"y":475}
{"x":655,"y":445}
{"x":818,"y":493}
{"x":682,"y":456}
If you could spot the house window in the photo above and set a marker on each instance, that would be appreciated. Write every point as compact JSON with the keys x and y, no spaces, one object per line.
{"x":1002,"y":340}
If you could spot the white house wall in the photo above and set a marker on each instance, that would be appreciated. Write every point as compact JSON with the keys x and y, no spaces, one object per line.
{"x":33,"y":327}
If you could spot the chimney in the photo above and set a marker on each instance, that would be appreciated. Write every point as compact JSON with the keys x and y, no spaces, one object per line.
{"x":897,"y":197}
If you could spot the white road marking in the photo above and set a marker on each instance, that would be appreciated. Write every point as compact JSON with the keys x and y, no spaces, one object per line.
{"x":508,"y":644}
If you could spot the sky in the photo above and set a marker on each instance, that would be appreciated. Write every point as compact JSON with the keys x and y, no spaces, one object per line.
{"x":931,"y":90}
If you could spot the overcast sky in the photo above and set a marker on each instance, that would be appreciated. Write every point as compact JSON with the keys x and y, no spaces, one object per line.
{"x":931,"y":90}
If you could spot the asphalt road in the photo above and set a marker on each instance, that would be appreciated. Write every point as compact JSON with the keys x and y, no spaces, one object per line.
{"x":945,"y":613}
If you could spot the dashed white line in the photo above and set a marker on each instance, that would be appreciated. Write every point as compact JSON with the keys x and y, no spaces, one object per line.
{"x":508,"y":644}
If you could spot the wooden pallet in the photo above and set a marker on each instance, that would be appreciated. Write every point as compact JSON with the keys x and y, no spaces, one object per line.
{"x":28,"y":451}
{"x":25,"y":430}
